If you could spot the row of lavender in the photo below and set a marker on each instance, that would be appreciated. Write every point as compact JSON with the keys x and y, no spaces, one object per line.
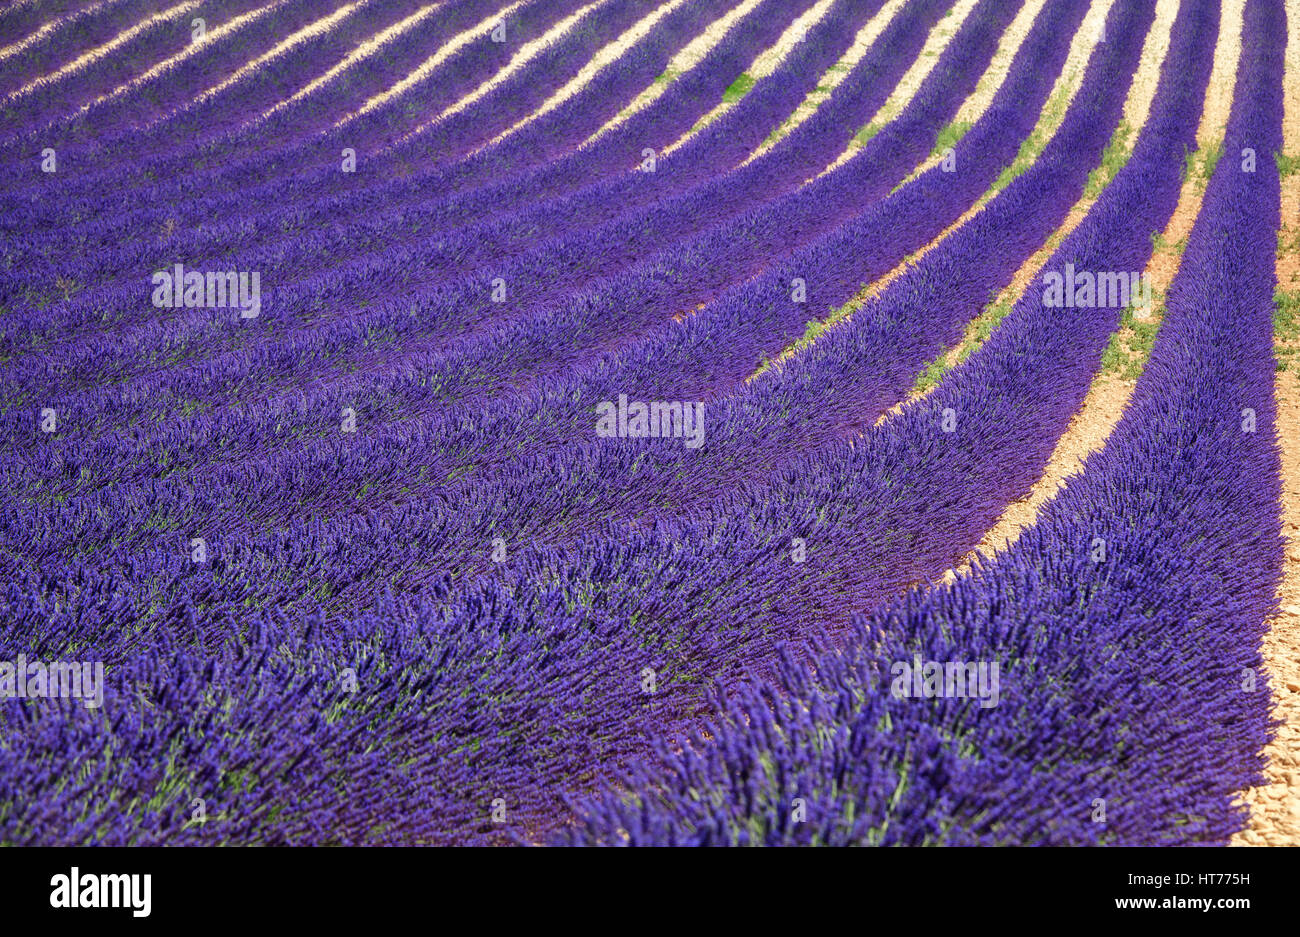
{"x":368,"y":259}
{"x":564,"y":411}
{"x":234,"y":178}
{"x":1130,"y":705}
{"x":482,"y":706}
{"x":595,"y":314}
{"x":148,"y":676}
{"x":472,"y":714}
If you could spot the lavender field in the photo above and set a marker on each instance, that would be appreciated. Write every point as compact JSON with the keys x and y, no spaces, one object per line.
{"x":650,"y":422}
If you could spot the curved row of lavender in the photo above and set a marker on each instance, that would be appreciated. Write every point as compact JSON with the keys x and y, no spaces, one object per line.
{"x":332,"y":665}
{"x":375,"y":457}
{"x":78,"y":32}
{"x":449,"y":799}
{"x":365,"y":234}
{"x":702,"y":267}
{"x":378,"y":267}
{"x":1131,"y":703}
{"x":189,"y":198}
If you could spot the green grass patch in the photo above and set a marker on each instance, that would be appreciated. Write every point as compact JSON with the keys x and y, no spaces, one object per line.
{"x":931,"y":376}
{"x":977,"y":333}
{"x":1113,"y":159}
{"x":1286,"y":315}
{"x":1130,"y":345}
{"x":864,"y":135}
{"x":949,"y":136}
{"x":1199,"y":164}
{"x":1210,"y":159}
{"x":1035,"y":142}
{"x":779,"y":132}
{"x":1286,"y":328}
{"x":738,"y":88}
{"x":812,"y":331}
{"x":982,"y":328}
{"x":1283,"y":233}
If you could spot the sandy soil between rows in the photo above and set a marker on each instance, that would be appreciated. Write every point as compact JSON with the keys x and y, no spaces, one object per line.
{"x":1275,"y":806}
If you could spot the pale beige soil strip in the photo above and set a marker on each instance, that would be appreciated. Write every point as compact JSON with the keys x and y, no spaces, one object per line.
{"x":771,"y":59}
{"x":1110,"y":392}
{"x":107,"y":48}
{"x":934,"y":46}
{"x":607,"y":56}
{"x":767,"y":62}
{"x":1275,"y":807}
{"x":1063,"y":91}
{"x":683,"y":61}
{"x":1137,"y":107}
{"x":986,"y":89}
{"x":425,"y":68}
{"x":364,"y":51}
{"x":302,"y":35}
{"x":910,"y":83}
{"x":863,"y":41}
{"x":23,"y":45}
{"x":216,"y":32}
